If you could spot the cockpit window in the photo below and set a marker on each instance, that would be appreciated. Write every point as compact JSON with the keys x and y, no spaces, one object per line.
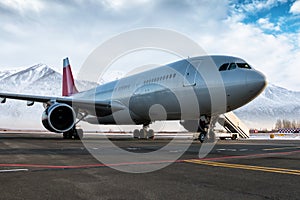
{"x":223,"y":67}
{"x":232,"y":66}
{"x":243,"y":65}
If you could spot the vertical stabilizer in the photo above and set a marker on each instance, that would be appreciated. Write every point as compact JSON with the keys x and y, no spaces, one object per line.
{"x":68,"y":84}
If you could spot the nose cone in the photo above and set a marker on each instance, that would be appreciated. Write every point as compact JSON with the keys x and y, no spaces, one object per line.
{"x":256,"y":82}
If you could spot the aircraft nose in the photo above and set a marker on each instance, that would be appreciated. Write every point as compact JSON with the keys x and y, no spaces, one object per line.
{"x":256,"y":82}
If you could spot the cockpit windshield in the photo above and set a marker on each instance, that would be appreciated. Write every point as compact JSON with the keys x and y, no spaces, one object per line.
{"x":243,"y":65}
{"x":223,"y":67}
{"x":231,"y":66}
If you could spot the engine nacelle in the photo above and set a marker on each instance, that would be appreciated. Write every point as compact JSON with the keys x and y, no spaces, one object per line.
{"x":59,"y":118}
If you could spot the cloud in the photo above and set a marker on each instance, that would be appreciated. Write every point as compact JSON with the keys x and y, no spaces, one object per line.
{"x":254,"y":6}
{"x":265,"y":23}
{"x":65,"y":26}
{"x":295,"y":8}
{"x":23,"y":5}
{"x":276,"y":55}
{"x":47,"y":31}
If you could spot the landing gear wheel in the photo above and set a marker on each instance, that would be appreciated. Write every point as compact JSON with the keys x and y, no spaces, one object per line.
{"x":150,"y":134}
{"x":143,"y":134}
{"x":136,"y":134}
{"x":78,"y":134}
{"x":234,"y":137}
{"x":202,"y":136}
{"x":67,"y":135}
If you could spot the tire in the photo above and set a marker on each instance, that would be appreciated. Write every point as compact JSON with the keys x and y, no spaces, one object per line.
{"x":143,"y":134}
{"x":67,"y":135}
{"x":150,"y":134}
{"x":234,"y":137}
{"x":202,"y":137}
{"x":222,"y":138}
{"x":78,"y":134}
{"x":136,"y":134}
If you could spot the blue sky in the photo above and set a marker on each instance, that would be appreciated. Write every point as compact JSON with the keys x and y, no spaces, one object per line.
{"x":266,"y":33}
{"x":279,"y":16}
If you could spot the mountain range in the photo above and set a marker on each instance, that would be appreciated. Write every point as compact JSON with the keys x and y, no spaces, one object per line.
{"x":38,"y":79}
{"x":274,"y":103}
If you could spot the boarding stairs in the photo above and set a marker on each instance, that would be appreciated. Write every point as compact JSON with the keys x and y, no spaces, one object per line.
{"x":233,"y":124}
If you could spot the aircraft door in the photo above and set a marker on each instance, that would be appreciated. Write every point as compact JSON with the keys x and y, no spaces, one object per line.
{"x":191,"y":72}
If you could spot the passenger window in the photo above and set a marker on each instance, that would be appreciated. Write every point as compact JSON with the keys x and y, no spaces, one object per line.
{"x":223,"y":67}
{"x":232,"y":66}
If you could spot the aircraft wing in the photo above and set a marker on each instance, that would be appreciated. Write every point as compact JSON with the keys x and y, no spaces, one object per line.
{"x":86,"y":105}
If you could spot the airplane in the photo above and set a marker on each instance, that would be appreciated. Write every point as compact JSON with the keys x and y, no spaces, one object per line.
{"x":129,"y":100}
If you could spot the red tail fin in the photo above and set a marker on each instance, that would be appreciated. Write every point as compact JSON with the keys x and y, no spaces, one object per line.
{"x":68,"y":84}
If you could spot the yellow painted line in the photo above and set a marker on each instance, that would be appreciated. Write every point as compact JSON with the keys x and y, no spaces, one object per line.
{"x":239,"y":165}
{"x":281,"y":148}
{"x":247,"y":167}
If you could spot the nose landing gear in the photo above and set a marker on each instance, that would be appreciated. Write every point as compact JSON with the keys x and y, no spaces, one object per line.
{"x":205,"y":129}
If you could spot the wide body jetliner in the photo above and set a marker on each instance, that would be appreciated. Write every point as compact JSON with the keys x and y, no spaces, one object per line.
{"x":182,"y":90}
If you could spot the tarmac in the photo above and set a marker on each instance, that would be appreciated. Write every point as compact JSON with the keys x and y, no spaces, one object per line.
{"x":44,"y":166}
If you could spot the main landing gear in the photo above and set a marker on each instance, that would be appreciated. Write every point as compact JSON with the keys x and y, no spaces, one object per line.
{"x":143,"y":133}
{"x":74,"y":133}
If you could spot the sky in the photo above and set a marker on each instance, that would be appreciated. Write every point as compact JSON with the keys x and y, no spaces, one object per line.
{"x":265,"y":33}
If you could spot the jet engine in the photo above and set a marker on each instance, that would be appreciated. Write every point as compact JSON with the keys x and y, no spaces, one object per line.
{"x":59,"y":118}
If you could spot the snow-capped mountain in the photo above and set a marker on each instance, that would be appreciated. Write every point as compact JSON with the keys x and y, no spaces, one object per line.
{"x":38,"y":79}
{"x":26,"y":80}
{"x":274,"y":103}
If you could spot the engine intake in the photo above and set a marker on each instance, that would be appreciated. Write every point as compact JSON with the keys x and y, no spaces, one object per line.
{"x":59,"y":118}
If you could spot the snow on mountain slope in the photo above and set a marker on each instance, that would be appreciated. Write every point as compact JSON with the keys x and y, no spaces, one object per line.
{"x":40,"y":80}
{"x":274,"y":103}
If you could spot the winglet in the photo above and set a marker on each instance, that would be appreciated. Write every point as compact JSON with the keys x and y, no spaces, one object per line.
{"x":68,"y":84}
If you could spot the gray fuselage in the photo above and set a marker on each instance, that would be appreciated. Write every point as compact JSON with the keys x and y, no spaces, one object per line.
{"x":183,"y":90}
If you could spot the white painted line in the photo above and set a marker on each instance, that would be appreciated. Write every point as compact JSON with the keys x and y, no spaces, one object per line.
{"x":12,"y":170}
{"x":243,"y":149}
{"x":133,"y":148}
{"x":175,"y":151}
{"x":226,"y":149}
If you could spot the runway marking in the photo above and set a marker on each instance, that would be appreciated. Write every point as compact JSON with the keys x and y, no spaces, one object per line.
{"x":96,"y":165}
{"x":281,"y":148}
{"x":252,"y":155}
{"x":233,"y":150}
{"x":12,"y":170}
{"x":247,"y":167}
